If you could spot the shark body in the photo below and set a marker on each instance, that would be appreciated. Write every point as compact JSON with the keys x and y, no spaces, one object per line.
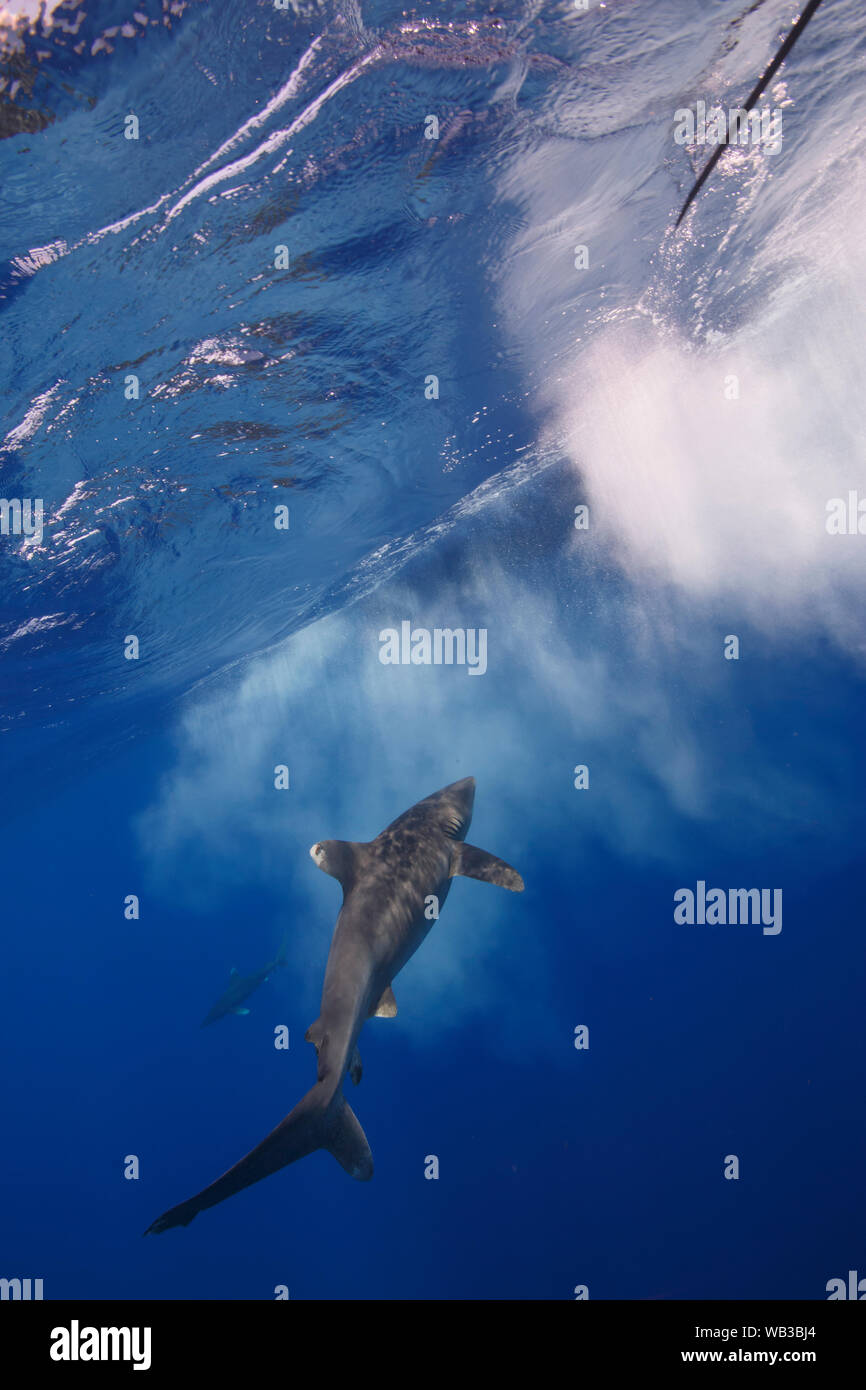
{"x":393,"y":891}
{"x":240,"y":989}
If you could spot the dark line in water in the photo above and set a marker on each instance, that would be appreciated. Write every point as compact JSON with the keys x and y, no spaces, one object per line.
{"x":756,"y":91}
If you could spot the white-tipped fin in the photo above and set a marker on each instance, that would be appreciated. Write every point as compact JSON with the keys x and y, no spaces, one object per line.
{"x":387,"y":1005}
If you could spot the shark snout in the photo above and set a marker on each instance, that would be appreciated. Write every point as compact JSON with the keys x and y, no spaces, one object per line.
{"x":465,"y":788}
{"x":462,"y":793}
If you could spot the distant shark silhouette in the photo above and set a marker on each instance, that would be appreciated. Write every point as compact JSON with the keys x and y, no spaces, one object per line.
{"x":388,"y":886}
{"x":757,"y":91}
{"x":242,"y":986}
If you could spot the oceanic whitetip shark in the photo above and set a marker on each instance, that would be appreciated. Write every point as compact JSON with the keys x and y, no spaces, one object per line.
{"x":389,"y":887}
{"x":242,"y":986}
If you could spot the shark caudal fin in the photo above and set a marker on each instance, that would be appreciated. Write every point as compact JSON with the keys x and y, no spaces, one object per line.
{"x":321,"y":1120}
{"x":181,"y":1215}
{"x":348,"y":1143}
{"x":477,"y":863}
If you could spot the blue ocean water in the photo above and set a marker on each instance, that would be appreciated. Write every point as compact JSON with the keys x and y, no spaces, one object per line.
{"x":169,"y":382}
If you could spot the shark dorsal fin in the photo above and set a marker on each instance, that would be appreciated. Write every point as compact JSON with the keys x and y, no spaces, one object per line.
{"x":387,"y":1005}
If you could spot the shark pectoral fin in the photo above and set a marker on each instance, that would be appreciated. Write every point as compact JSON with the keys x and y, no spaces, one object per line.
{"x":387,"y":1005}
{"x":240,"y":1011}
{"x":356,"y":1071}
{"x":339,"y":858}
{"x":348,"y":1143}
{"x":477,"y":863}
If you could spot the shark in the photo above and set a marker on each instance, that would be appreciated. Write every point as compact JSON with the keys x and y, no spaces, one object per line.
{"x":241,"y":987}
{"x":394,"y":888}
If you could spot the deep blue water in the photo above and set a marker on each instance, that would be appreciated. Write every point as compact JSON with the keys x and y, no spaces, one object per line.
{"x":608,"y":386}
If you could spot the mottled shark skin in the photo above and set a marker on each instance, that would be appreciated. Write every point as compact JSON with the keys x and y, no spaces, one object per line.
{"x":387,"y":885}
{"x":241,"y":987}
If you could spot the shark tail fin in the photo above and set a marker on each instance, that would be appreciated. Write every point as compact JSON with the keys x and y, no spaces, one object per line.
{"x":320,"y":1120}
{"x":181,"y":1215}
{"x":348,"y":1143}
{"x":477,"y":863}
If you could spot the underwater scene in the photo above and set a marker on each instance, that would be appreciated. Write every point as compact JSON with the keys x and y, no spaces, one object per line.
{"x":421,"y":479}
